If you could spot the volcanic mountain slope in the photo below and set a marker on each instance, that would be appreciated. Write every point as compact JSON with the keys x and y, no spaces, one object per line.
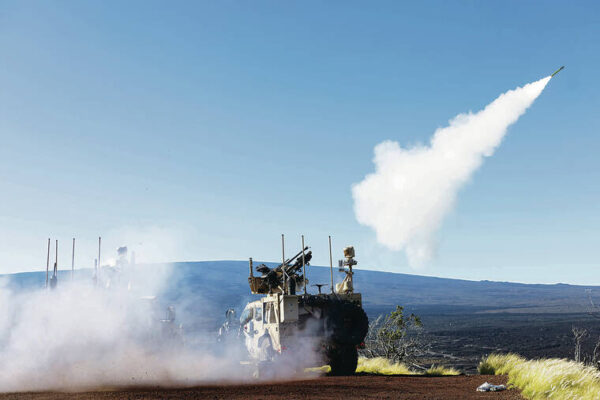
{"x":224,"y":284}
{"x":463,"y":319}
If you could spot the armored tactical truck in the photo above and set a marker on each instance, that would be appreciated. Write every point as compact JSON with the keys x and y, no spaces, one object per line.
{"x":300,"y":328}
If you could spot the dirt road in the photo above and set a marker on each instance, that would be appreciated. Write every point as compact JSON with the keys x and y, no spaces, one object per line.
{"x":355,"y":387}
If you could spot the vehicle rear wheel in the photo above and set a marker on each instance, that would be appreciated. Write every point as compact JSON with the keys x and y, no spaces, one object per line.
{"x":343,"y":361}
{"x":347,"y":323}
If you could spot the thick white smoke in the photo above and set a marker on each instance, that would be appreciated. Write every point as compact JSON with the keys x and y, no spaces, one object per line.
{"x":115,"y":333}
{"x":82,"y":336}
{"x":406,"y":198}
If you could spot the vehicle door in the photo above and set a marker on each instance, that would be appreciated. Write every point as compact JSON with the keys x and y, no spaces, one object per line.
{"x":256,"y":329}
{"x":247,"y":324}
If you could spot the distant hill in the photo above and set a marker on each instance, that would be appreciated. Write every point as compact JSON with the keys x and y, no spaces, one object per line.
{"x":463,"y":319}
{"x":222,"y":284}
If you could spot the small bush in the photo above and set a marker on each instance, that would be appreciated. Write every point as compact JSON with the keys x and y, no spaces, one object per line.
{"x":395,"y":336}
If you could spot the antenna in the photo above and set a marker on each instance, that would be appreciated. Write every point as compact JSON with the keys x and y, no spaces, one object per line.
{"x":54,"y":279}
{"x":303,"y":266}
{"x":95,"y":277}
{"x":73,"y":260}
{"x":331,"y":265}
{"x":47,"y":262}
{"x":99,"y":248}
{"x":285,"y":283}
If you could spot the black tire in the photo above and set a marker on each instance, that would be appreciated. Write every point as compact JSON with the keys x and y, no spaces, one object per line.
{"x":343,"y":361}
{"x":347,"y":323}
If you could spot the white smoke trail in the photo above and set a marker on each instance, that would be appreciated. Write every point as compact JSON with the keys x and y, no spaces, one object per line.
{"x":407,"y":197}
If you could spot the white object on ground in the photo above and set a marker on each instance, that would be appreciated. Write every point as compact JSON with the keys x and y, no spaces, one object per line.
{"x":488,"y":387}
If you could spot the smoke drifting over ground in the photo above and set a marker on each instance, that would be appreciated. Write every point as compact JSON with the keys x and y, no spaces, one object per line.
{"x":412,"y":189}
{"x":84,"y":336}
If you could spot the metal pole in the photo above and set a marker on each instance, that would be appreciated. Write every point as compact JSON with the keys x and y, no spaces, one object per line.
{"x":56,"y":255}
{"x":283,"y":264}
{"x":73,"y":260}
{"x":95,"y":278}
{"x":47,"y":262}
{"x":303,"y":266}
{"x":99,"y":266}
{"x":331,"y":265}
{"x":250,"y":264}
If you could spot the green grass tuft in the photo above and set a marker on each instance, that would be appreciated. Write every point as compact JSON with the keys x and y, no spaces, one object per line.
{"x":382,"y":366}
{"x":545,"y":379}
{"x":441,"y":371}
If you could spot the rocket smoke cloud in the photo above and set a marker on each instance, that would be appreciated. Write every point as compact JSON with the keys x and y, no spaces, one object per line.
{"x":412,"y":189}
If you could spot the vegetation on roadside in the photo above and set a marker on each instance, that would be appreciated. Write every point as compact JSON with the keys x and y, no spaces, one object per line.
{"x":394,"y":341}
{"x":546,"y":378}
{"x":396,"y":337}
{"x":440,"y":370}
{"x":383,"y":366}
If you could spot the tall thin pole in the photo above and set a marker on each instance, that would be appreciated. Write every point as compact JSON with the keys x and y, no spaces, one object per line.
{"x":303,"y":266}
{"x":99,"y":247}
{"x":56,"y":256}
{"x":331,"y":265}
{"x":47,"y":262}
{"x":283,"y":264}
{"x":95,"y":277}
{"x":73,"y":260}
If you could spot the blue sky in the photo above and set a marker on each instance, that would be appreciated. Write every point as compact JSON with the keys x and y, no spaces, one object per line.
{"x":204,"y":130}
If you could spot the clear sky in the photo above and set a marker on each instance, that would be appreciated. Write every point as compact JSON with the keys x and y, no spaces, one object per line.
{"x":204,"y":130}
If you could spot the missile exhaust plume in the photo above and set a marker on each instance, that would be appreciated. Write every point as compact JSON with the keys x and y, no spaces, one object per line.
{"x":412,"y":189}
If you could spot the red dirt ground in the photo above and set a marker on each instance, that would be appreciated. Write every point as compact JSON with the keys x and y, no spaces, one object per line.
{"x":355,"y":387}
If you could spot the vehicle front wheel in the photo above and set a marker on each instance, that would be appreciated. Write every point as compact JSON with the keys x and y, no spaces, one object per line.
{"x":343,"y":361}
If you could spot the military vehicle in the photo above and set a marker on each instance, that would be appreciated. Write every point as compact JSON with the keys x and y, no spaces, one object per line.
{"x":284,"y":326}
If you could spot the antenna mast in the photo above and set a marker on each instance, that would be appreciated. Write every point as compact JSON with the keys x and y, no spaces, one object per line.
{"x":73,"y":260}
{"x":331,"y":265}
{"x":303,"y":266}
{"x":47,"y":262}
{"x":285,"y":282}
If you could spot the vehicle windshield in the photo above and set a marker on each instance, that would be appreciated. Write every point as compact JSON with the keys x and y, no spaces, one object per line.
{"x":258,"y":313}
{"x":246,"y":315}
